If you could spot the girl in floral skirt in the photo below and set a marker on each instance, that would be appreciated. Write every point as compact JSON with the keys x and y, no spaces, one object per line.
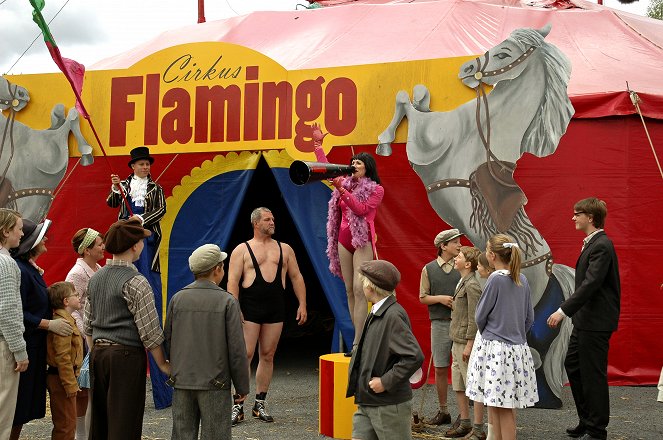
{"x":501,"y":369}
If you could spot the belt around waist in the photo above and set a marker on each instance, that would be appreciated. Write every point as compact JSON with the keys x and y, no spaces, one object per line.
{"x":104,"y":343}
{"x":115,"y":344}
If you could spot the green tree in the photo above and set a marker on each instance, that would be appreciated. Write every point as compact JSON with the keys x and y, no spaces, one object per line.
{"x":655,"y":9}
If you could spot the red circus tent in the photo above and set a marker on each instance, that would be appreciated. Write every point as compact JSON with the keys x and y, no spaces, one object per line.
{"x":605,"y":151}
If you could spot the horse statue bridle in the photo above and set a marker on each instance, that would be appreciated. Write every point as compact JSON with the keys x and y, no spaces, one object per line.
{"x":479,"y":75}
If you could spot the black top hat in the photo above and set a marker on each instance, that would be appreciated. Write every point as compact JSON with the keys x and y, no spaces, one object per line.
{"x":140,"y":153}
{"x":32,"y":235}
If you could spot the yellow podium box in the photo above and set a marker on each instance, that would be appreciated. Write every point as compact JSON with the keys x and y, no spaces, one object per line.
{"x":335,"y":410}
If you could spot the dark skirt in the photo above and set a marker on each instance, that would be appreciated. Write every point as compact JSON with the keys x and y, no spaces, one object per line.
{"x":31,"y":401}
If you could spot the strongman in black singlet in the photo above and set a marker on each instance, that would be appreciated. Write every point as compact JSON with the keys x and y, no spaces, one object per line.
{"x":263,"y":302}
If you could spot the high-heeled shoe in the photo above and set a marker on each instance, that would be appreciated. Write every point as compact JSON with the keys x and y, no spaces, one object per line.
{"x":349,"y":353}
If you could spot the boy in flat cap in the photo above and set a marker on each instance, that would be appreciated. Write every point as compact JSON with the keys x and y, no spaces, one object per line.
{"x":120,"y":322}
{"x":436,"y":290}
{"x":386,"y":357}
{"x":203,"y":368}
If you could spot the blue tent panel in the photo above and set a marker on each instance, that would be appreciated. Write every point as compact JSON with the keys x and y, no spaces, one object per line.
{"x":307,"y":205}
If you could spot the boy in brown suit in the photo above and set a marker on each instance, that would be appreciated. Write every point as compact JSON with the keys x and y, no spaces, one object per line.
{"x":462,"y":331}
{"x":64,"y":358}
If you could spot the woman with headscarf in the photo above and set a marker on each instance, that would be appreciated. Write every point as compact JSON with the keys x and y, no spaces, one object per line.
{"x":89,"y":245}
{"x":38,"y":319}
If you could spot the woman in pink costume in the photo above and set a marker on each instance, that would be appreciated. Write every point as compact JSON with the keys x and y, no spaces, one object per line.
{"x":351,"y":227}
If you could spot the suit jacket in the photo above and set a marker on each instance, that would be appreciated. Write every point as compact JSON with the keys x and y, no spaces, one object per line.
{"x":594,"y":305}
{"x":155,"y":209}
{"x":463,"y":325}
{"x":388,"y":350}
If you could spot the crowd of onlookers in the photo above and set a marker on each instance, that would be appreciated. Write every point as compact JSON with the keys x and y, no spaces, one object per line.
{"x":46,"y":334}
{"x":41,"y":330}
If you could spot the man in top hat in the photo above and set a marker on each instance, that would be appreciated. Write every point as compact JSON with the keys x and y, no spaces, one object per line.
{"x":436,"y":290}
{"x":206,"y":350}
{"x":147,"y":201}
{"x":386,"y":357}
{"x":120,"y":322}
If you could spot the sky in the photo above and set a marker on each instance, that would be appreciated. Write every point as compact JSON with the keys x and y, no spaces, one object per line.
{"x":92,"y":30}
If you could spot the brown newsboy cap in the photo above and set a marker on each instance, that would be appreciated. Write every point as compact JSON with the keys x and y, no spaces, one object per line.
{"x":382,"y":273}
{"x":123,"y":234}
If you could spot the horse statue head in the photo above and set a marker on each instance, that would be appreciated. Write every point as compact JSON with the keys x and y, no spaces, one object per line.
{"x":507,"y":61}
{"x":33,"y":162}
{"x":12,"y":97}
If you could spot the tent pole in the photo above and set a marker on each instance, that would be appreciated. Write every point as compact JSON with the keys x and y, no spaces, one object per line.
{"x":201,"y":11}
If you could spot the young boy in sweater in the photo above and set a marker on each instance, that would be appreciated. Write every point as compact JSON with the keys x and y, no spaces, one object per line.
{"x":463,"y":329}
{"x":64,"y":358}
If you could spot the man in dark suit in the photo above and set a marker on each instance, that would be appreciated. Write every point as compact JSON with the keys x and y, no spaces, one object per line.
{"x":594,"y":308}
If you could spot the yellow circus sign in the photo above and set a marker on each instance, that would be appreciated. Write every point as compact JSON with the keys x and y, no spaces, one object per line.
{"x":223,"y":97}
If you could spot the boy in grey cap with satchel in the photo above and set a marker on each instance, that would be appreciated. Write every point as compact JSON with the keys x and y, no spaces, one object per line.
{"x":387,"y":355}
{"x":207,"y":350}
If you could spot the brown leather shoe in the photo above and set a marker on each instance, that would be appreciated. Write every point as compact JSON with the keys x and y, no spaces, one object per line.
{"x":460,"y":431}
{"x":476,"y":435}
{"x":441,"y":418}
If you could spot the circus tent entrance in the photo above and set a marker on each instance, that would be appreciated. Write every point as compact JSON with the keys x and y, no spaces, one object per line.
{"x":213,"y":204}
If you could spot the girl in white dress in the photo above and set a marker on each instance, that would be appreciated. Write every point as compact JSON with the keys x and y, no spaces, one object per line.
{"x":501,"y":369}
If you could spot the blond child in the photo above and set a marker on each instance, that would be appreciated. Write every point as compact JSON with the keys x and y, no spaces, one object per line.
{"x":483,"y":271}
{"x":462,"y":332}
{"x":64,"y":358}
{"x":483,"y":268}
{"x":501,"y":369}
{"x":386,"y":357}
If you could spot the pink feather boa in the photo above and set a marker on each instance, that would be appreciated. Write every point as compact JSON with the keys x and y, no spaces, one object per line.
{"x":359,"y":227}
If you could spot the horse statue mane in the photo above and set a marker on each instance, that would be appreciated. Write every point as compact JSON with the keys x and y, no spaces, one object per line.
{"x":552,"y":118}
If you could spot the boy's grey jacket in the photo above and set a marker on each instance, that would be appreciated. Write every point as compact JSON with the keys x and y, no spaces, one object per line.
{"x":205,"y":339}
{"x":388,"y":350}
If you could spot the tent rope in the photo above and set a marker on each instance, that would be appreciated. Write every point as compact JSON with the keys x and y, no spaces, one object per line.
{"x":57,"y":191}
{"x":635,"y":99}
{"x":167,"y":166}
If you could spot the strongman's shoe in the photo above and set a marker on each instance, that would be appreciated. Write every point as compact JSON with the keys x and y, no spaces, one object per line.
{"x":260,"y":413}
{"x":237,"y":414}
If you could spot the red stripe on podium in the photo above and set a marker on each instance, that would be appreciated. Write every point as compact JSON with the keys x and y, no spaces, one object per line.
{"x":326,"y":398}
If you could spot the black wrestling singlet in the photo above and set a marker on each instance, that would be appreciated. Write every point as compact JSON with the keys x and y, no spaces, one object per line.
{"x":263,"y":302}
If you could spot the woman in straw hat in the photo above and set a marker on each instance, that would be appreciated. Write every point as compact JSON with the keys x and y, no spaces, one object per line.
{"x":38,"y":320}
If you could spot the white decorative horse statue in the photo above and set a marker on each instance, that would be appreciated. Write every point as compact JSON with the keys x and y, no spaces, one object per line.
{"x":466,"y":158}
{"x":33,"y":162}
